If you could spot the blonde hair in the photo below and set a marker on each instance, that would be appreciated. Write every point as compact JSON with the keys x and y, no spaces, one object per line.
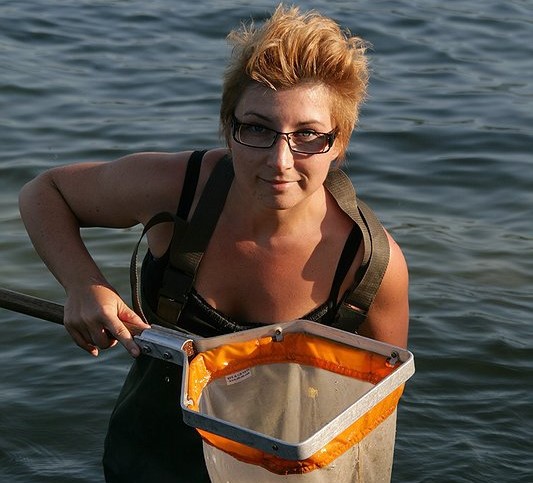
{"x":290,"y":49}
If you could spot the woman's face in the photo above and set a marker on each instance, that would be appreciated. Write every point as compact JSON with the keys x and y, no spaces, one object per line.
{"x":277,"y":177}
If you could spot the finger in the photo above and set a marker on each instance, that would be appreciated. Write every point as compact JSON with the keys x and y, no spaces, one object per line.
{"x":83,"y":342}
{"x":132,"y":321}
{"x":124,"y":336}
{"x":115,"y":324}
{"x":90,"y":339}
{"x":92,"y":349}
{"x":134,"y":325}
{"x":102,"y":338}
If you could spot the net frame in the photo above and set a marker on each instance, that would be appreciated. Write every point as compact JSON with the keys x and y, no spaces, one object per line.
{"x":275,"y":454}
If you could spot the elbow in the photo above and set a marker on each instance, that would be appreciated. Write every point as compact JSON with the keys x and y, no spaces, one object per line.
{"x":34,"y":194}
{"x":25,"y":197}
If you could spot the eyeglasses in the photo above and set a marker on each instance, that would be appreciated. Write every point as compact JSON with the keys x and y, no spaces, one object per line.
{"x":305,"y":141}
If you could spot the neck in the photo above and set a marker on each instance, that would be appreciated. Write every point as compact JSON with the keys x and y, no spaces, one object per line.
{"x":264,"y":223}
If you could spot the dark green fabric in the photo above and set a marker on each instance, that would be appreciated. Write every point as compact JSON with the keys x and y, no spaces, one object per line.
{"x":147,"y":440}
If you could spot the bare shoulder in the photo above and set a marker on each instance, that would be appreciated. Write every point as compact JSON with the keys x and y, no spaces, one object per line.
{"x":126,"y":191}
{"x":388,"y":317}
{"x":158,"y":177}
{"x":396,"y":274}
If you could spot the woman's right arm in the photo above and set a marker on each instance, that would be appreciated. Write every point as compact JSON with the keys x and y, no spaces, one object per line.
{"x":119,"y":194}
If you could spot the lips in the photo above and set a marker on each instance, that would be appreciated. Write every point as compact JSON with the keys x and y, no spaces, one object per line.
{"x":279,"y":181}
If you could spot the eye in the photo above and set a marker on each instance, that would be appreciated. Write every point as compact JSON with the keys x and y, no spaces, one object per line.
{"x":307,"y":135}
{"x":254,"y":128}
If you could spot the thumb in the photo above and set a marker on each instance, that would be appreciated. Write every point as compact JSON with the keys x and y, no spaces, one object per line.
{"x":127,"y":325}
{"x":131,"y":320}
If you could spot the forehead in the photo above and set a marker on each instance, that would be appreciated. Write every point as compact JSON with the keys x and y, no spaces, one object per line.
{"x":303,"y":103}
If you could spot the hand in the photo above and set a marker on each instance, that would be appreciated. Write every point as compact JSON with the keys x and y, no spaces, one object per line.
{"x":97,"y":318}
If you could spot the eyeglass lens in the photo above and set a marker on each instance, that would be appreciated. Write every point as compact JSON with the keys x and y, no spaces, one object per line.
{"x":308,"y":142}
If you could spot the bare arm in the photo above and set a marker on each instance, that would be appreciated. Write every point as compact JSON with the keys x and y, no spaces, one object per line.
{"x":388,"y":317}
{"x":122,"y":193}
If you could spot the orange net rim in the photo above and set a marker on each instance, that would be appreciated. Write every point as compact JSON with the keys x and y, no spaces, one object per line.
{"x":303,"y":349}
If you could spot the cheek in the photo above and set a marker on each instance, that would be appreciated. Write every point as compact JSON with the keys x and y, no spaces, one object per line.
{"x":240,"y":159}
{"x":238,"y":151}
{"x":245,"y":164}
{"x":318,"y":168}
{"x":247,"y":159}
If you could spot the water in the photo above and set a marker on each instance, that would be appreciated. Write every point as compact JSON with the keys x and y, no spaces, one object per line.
{"x":443,"y":154}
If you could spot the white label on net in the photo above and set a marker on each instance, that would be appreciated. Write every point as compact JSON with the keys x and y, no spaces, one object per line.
{"x":238,"y":376}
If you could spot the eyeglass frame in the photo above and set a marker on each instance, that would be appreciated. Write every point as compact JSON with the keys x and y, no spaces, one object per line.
{"x":330,"y":136}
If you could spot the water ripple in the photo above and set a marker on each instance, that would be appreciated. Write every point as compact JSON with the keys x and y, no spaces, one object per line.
{"x":443,"y":154}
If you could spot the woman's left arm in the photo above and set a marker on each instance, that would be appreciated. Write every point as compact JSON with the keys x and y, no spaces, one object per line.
{"x":388,"y":317}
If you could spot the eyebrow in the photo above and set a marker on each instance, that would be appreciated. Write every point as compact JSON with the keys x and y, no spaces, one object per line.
{"x":268,"y":119}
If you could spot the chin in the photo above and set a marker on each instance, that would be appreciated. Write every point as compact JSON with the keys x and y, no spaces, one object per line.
{"x":280,"y":203}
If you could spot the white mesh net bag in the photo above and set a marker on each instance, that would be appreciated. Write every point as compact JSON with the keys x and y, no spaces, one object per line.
{"x":297,"y":407}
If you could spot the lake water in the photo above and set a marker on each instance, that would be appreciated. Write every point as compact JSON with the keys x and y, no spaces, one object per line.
{"x":443,"y":153}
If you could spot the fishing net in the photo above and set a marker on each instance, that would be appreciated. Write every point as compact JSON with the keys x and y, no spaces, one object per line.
{"x":297,"y":407}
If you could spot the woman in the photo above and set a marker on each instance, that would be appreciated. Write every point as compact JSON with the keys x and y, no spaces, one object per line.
{"x":284,"y":243}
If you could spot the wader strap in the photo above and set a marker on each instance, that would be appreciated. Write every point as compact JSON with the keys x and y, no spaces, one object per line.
{"x":187,"y":250}
{"x":341,"y":188}
{"x":353,"y":309}
{"x":196,"y":238}
{"x":345,"y":262}
{"x":190,"y":181}
{"x":134,"y":273}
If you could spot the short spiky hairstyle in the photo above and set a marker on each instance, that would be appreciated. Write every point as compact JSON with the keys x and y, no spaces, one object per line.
{"x":293,"y":48}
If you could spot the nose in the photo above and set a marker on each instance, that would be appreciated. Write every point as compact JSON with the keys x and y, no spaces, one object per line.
{"x":280,"y":154}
